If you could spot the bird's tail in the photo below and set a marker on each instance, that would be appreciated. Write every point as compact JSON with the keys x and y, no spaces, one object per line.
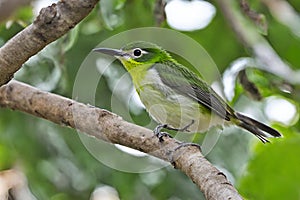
{"x":257,"y":128}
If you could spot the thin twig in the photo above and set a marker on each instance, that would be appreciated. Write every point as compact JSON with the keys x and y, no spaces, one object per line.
{"x":159,"y":12}
{"x":258,"y":18}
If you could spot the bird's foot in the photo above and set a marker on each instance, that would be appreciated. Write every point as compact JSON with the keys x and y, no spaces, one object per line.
{"x":185,"y":144}
{"x":159,"y":134}
{"x":175,"y":155}
{"x":184,"y":129}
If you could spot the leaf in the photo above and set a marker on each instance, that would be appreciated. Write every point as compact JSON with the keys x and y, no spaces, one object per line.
{"x":273,"y":172}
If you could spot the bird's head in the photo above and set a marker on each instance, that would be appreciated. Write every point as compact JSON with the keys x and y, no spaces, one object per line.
{"x":137,"y":54}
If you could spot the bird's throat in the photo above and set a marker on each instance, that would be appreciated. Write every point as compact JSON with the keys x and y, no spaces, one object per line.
{"x":138,"y":73}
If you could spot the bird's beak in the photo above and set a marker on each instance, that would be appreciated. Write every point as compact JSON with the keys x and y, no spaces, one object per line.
{"x":111,"y":52}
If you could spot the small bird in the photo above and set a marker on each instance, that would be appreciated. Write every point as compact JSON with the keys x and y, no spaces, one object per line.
{"x":175,"y":96}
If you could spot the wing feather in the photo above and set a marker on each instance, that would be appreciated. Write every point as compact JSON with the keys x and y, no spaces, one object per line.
{"x":188,"y":84}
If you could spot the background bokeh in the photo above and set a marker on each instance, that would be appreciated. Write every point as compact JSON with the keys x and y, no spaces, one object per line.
{"x":58,"y":166}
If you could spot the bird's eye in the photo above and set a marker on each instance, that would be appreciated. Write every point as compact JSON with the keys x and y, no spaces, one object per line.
{"x":137,"y":52}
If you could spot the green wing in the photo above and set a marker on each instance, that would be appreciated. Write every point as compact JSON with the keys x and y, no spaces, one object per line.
{"x":188,"y":84}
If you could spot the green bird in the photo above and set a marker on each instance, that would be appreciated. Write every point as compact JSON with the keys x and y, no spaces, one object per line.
{"x":175,"y":96}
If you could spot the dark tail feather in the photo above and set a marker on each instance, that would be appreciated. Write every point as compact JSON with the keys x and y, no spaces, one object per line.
{"x":256,"y":127}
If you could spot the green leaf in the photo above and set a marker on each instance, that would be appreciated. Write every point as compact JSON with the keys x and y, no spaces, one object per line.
{"x":273,"y":172}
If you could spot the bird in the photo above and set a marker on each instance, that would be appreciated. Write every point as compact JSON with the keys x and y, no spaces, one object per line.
{"x":176,"y":97}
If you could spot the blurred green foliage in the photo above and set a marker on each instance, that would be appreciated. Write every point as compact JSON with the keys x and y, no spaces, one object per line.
{"x":273,"y":170}
{"x":57,"y":164}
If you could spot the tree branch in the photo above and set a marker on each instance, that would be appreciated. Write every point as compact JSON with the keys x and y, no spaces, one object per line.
{"x":52,"y":22}
{"x":107,"y":126}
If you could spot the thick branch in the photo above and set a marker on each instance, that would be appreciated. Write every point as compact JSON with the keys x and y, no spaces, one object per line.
{"x":52,"y":22}
{"x":107,"y":126}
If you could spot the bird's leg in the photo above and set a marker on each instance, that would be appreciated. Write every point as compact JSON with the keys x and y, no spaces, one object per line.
{"x":159,"y":134}
{"x":184,"y":144}
{"x":184,"y":129}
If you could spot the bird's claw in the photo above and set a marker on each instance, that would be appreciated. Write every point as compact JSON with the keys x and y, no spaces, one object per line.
{"x":186,"y":128}
{"x":159,"y":134}
{"x":184,"y":144}
{"x":166,"y":126}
